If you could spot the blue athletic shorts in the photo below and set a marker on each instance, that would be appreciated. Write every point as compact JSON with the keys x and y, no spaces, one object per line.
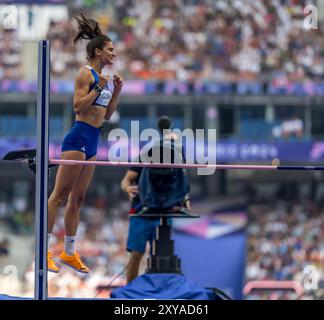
{"x":141,"y":231}
{"x":82,"y":137}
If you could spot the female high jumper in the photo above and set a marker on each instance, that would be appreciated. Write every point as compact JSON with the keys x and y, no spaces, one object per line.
{"x":94,"y":101}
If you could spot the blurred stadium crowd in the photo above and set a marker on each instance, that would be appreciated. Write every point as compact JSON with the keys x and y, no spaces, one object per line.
{"x":283,"y":238}
{"x":186,"y":40}
{"x":101,"y":241}
{"x":11,"y":56}
{"x":191,"y":40}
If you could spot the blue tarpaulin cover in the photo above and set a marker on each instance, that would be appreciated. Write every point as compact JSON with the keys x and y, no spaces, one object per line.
{"x":163,"y":286}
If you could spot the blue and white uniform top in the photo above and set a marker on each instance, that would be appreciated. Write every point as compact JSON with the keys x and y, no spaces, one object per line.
{"x":105,"y":96}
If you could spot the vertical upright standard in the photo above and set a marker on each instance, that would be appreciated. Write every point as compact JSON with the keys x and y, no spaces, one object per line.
{"x":42,"y":170}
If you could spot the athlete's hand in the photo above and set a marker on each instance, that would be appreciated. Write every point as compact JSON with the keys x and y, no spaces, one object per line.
{"x":132,"y":191}
{"x":118,"y":82}
{"x":103,"y":80}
